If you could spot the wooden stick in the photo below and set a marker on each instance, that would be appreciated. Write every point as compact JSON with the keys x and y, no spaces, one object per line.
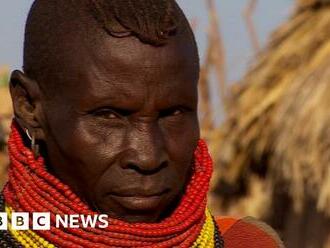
{"x":247,"y":15}
{"x":218,"y":54}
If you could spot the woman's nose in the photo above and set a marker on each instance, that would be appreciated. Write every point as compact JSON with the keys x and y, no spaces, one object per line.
{"x":146,"y":152}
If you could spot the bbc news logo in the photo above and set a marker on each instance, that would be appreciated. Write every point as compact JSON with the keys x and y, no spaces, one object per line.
{"x":41,"y":221}
{"x":20,"y":221}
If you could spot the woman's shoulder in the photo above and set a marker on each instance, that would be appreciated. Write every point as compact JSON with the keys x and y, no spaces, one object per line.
{"x":248,"y":233}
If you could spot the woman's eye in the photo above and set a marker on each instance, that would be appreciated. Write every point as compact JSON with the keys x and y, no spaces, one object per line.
{"x":172,"y":112}
{"x":177,"y":112}
{"x":107,"y":114}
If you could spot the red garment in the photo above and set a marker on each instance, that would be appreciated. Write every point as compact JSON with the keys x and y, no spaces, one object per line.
{"x":248,"y":233}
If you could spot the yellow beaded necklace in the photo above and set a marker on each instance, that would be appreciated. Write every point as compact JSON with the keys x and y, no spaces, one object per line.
{"x":28,"y":238}
{"x":206,"y":237}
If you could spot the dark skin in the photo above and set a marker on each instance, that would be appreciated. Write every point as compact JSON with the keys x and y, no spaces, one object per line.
{"x":121,"y":128}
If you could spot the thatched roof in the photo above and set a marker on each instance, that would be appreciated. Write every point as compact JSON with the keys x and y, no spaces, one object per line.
{"x":301,"y":4}
{"x":278,"y":126}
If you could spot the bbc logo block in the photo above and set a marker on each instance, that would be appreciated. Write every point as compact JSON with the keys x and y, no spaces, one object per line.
{"x":3,"y":221}
{"x":21,"y":221}
{"x":41,"y":221}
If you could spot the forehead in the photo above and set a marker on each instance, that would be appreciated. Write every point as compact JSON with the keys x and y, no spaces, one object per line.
{"x":120,"y":65}
{"x":129,"y":53}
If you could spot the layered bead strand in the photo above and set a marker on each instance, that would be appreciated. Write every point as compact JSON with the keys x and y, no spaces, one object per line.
{"x":206,"y":237}
{"x":32,"y":189}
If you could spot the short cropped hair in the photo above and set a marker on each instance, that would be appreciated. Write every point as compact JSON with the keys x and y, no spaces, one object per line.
{"x":151,"y":21}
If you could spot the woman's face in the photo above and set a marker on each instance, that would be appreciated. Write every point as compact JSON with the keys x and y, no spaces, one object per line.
{"x":122,"y":128}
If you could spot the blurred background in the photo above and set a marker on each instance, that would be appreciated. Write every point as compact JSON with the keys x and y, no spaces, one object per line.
{"x":264,"y":107}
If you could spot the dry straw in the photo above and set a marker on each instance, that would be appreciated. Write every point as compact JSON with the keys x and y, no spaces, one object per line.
{"x":277,"y":132}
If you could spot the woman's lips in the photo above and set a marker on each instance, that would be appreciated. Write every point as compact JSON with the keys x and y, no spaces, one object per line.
{"x":139,"y":201}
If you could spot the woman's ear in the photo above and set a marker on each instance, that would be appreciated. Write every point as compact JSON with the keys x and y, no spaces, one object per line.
{"x":26,"y":98}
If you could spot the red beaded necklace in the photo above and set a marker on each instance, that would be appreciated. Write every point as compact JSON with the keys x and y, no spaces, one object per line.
{"x":32,"y":189}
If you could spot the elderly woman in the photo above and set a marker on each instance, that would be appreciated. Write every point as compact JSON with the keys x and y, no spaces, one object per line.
{"x":106,"y":123}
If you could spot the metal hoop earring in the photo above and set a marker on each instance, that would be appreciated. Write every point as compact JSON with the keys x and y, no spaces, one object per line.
{"x":28,"y":134}
{"x":34,"y":145}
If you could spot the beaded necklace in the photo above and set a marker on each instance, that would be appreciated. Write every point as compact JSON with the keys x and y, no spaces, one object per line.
{"x":32,"y":189}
